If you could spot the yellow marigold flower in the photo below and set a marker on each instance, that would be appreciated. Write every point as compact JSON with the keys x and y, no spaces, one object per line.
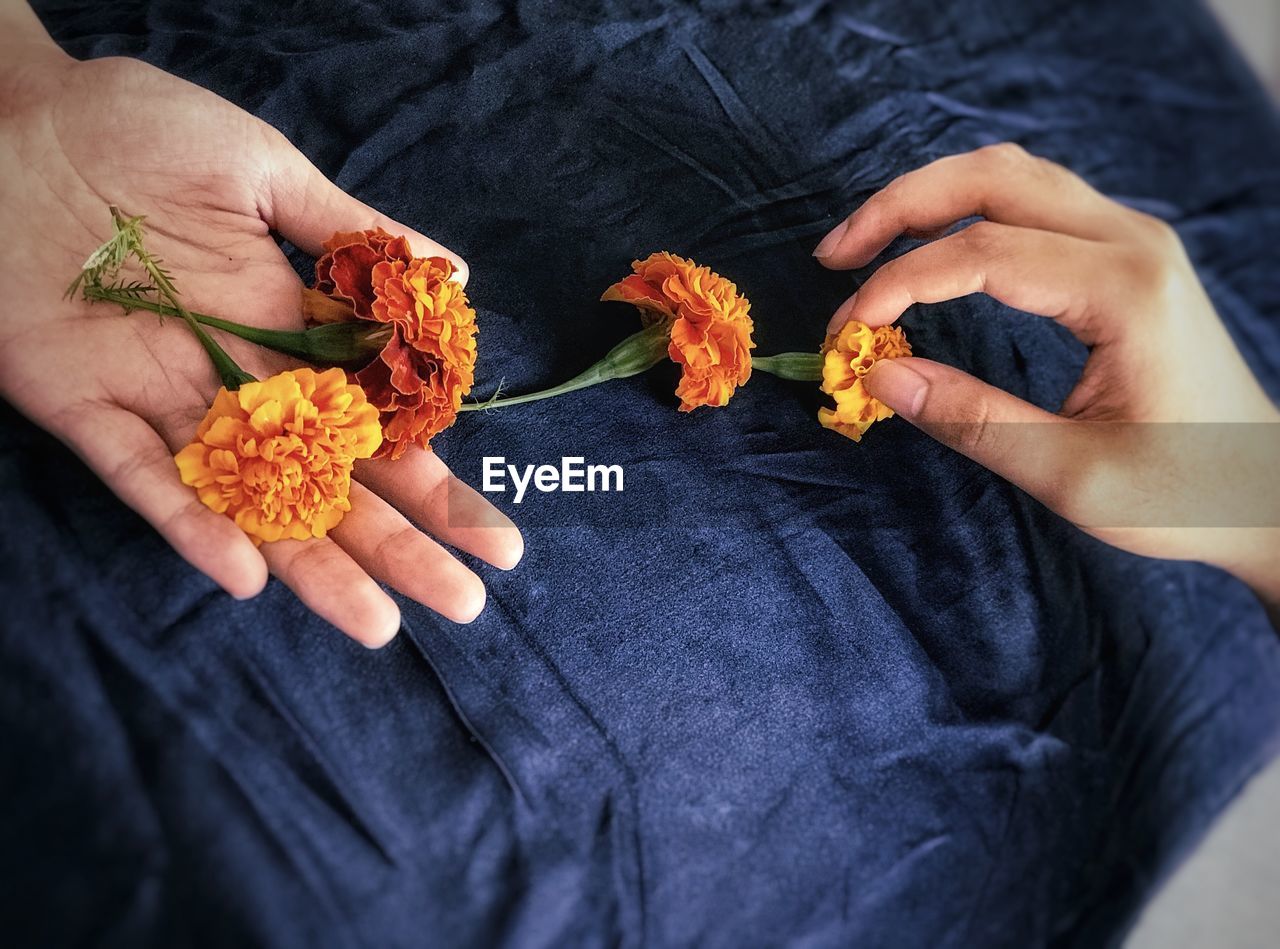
{"x":277,"y":455}
{"x":847,"y":357}
{"x":710,"y":324}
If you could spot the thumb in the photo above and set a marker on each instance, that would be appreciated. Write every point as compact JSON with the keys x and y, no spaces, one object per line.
{"x":306,"y":208}
{"x":1026,"y":445}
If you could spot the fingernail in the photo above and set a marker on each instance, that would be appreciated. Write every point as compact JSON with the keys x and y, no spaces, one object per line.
{"x":895,"y":383}
{"x":382,"y":638}
{"x":827,"y":246}
{"x":842,"y":315}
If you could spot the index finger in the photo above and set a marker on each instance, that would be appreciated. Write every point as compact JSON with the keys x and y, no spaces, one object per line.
{"x":1001,"y":183}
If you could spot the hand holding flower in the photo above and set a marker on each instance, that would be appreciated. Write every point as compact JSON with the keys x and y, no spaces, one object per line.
{"x":131,"y":390}
{"x":1166,"y":422}
{"x":847,"y":357}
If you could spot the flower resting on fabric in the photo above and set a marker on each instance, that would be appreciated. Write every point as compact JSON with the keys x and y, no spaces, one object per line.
{"x":276,"y":456}
{"x":847,"y":357}
{"x":427,"y":365}
{"x":691,"y":315}
{"x":709,"y":321}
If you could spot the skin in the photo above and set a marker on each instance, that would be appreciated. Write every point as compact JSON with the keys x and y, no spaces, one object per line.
{"x":1121,"y":282}
{"x":216,"y":184}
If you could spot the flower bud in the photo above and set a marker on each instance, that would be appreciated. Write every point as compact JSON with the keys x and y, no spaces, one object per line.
{"x":798,"y":367}
{"x":636,"y":353}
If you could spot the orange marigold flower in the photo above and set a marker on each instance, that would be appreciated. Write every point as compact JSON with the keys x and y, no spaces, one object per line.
{"x":427,"y":367}
{"x":277,"y":455}
{"x":848,"y":356}
{"x":420,"y":378}
{"x":710,"y":324}
{"x":345,"y":271}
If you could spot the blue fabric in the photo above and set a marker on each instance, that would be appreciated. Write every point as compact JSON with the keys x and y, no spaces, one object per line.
{"x":785,"y":688}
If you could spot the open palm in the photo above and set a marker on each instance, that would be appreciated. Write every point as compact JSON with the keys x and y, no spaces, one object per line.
{"x":215,"y":184}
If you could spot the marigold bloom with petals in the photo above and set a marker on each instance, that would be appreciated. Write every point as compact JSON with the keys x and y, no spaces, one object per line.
{"x":847,"y":357}
{"x":427,"y":367}
{"x":419,"y":380}
{"x":710,"y":324}
{"x":277,"y":455}
{"x":345,"y":271}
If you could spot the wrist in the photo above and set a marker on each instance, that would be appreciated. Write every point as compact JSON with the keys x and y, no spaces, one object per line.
{"x":1255,"y":561}
{"x":1267,"y":589}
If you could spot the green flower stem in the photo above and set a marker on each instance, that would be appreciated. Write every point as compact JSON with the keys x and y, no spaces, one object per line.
{"x":798,"y":367}
{"x":333,"y":344}
{"x":233,"y":377}
{"x":632,"y":356}
{"x":593,"y":376}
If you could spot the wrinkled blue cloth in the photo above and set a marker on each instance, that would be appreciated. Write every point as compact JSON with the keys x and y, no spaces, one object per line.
{"x":784,"y":688}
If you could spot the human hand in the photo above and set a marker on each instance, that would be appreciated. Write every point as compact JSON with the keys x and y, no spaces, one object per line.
{"x":125,"y":392}
{"x":1143,"y":453}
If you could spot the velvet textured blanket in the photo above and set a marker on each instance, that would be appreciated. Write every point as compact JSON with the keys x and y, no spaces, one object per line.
{"x":783,"y":688}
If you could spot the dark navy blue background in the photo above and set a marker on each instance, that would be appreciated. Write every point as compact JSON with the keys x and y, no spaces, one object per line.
{"x":965,"y":725}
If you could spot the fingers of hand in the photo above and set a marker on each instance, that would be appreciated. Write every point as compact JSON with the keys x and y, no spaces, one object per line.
{"x":333,"y":585}
{"x":1018,"y":441}
{"x":1036,"y":271}
{"x":384,"y":543}
{"x":332,"y":577}
{"x":306,"y":208}
{"x":421,"y":485}
{"x":137,"y":465}
{"x":1001,"y":183}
